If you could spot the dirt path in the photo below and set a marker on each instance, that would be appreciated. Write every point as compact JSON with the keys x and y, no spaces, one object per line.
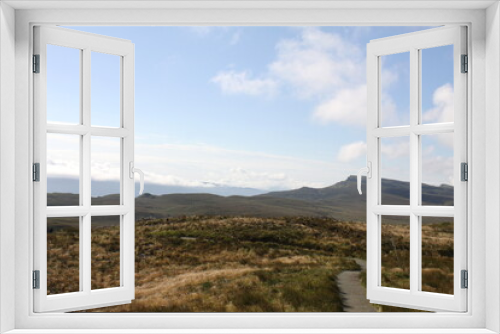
{"x":353,"y":292}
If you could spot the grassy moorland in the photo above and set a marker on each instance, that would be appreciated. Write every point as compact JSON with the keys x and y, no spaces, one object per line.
{"x":242,"y":264}
{"x":437,"y":258}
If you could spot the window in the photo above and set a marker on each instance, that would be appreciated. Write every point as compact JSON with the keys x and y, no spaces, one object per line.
{"x":483,"y":240}
{"x":281,"y":265}
{"x":85,"y":134}
{"x":416,"y":131}
{"x":176,"y":230}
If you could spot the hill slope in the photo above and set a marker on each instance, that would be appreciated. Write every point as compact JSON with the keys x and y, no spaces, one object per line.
{"x":344,"y":199}
{"x":340,"y":201}
{"x":207,"y":204}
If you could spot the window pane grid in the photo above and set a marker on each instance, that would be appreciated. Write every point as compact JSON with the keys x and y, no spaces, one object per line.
{"x":70,"y":116}
{"x":415,"y":210}
{"x":85,"y":211}
{"x":439,"y":112}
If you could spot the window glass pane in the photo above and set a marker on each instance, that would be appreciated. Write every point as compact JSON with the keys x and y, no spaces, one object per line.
{"x":105,"y":252}
{"x":63,"y":255}
{"x":437,"y":254}
{"x":105,"y":79}
{"x":105,"y":170}
{"x":395,"y":89}
{"x":395,"y":170}
{"x":437,"y":84}
{"x":63,"y":169}
{"x":63,"y":84}
{"x":395,"y":251}
{"x":437,"y":169}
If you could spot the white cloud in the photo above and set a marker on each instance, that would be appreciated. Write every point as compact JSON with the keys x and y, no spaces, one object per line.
{"x":395,"y":162}
{"x":347,"y":107}
{"x":389,"y":115}
{"x":352,"y":151}
{"x":63,"y":159}
{"x":436,"y":168}
{"x":314,"y":65}
{"x":396,"y":150}
{"x":172,"y":180}
{"x":443,"y":106}
{"x":105,"y":159}
{"x":240,"y":177}
{"x":63,"y":155}
{"x":317,"y":63}
{"x":194,"y":165}
{"x":443,"y":110}
{"x":446,"y":139}
{"x":202,"y":165}
{"x":321,"y":66}
{"x":232,"y":82}
{"x":62,"y":166}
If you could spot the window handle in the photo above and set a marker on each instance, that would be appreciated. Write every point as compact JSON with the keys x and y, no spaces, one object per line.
{"x":365,"y":170}
{"x":141,"y":174}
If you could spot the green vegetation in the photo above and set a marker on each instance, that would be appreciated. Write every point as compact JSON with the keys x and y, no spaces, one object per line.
{"x":437,"y":259}
{"x":63,"y":248}
{"x":240,"y":264}
{"x":277,"y":252}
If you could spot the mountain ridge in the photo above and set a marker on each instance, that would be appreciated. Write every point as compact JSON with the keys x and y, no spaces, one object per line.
{"x":340,"y":200}
{"x":103,"y":188}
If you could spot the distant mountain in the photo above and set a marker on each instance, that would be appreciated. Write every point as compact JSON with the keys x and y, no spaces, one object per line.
{"x":340,"y":201}
{"x":394,"y":192}
{"x":103,"y":188}
{"x":343,"y":197}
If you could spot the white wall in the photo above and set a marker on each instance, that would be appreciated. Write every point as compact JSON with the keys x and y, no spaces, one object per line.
{"x":22,"y":193}
{"x":7,"y":160}
{"x":492,"y":163}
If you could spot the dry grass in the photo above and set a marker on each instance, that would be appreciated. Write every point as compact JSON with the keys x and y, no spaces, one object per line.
{"x":234,"y":264}
{"x":437,"y":259}
{"x":224,"y":264}
{"x":105,"y":263}
{"x":63,"y":261}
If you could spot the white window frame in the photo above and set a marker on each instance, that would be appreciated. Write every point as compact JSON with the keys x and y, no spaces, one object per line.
{"x":413,"y":44}
{"x":484,"y":103}
{"x":86,"y":44}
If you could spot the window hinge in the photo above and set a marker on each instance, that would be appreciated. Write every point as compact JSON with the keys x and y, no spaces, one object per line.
{"x":464,"y":172}
{"x":36,"y":279}
{"x":36,"y":172}
{"x":465,"y":279}
{"x":36,"y":63}
{"x":465,"y":64}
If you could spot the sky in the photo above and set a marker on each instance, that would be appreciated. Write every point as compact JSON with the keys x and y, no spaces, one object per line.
{"x":269,"y":108}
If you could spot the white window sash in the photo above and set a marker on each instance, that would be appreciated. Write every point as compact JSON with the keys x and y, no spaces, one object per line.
{"x":85,"y":298}
{"x":414,"y":297}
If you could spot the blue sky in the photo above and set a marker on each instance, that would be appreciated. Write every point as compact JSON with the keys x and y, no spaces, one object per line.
{"x":260,"y":107}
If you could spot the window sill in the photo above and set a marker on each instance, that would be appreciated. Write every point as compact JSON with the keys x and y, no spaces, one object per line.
{"x":251,"y":331}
